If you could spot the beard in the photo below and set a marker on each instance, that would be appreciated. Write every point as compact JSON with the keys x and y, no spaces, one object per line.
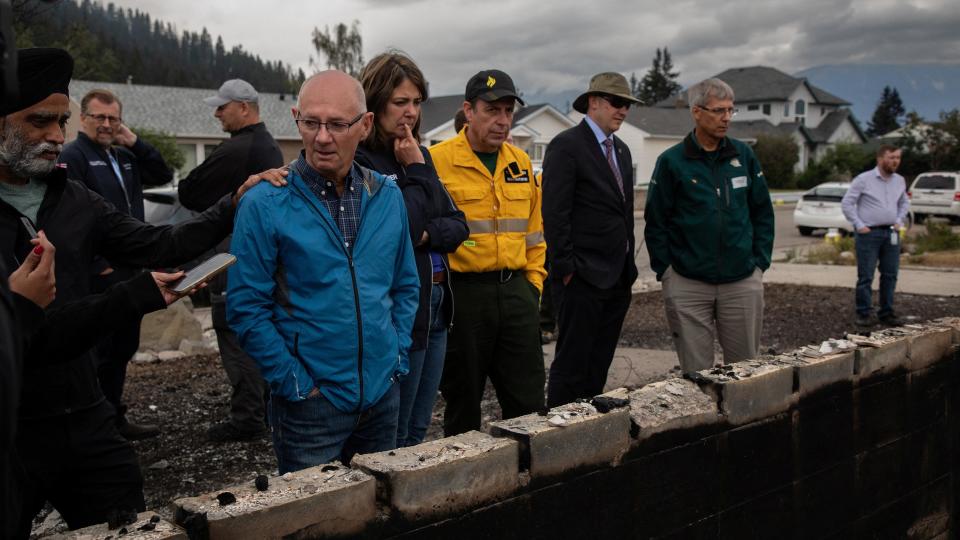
{"x":22,"y":159}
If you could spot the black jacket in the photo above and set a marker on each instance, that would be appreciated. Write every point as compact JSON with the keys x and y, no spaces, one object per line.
{"x":82,"y":225}
{"x":586,"y":221}
{"x":29,"y":337}
{"x":248,"y":151}
{"x":141,"y":165}
{"x":430,"y":209}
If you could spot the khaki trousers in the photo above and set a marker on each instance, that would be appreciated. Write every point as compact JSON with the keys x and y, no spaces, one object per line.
{"x":694,"y":307}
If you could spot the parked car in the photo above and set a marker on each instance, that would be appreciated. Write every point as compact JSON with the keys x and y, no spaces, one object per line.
{"x":819,"y":208}
{"x":936,"y":194}
{"x":161,"y":206}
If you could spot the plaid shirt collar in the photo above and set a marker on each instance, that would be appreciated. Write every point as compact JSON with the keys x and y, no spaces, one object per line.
{"x":345,"y":209}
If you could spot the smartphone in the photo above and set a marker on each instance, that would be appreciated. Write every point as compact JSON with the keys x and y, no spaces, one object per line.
{"x":28,"y":225}
{"x":203,"y":272}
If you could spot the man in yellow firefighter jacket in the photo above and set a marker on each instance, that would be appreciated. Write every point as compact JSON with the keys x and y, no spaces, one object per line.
{"x":497,"y":273}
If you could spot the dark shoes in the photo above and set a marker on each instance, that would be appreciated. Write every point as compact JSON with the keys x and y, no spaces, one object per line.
{"x":866,"y":321}
{"x":137,"y":432}
{"x":225,"y":431}
{"x":891,"y":320}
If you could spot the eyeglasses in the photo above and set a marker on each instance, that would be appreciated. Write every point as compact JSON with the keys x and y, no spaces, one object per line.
{"x":114,"y":120}
{"x":617,"y":102}
{"x":309,"y":125}
{"x":721,"y":111}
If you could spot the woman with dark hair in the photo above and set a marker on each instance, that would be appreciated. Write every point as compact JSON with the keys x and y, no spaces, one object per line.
{"x":395,"y":88}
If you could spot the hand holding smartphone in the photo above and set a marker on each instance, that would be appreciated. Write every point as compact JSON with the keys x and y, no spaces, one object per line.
{"x":202,"y":272}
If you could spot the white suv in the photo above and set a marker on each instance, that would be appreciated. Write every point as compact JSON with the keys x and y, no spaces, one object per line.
{"x":936,"y":194}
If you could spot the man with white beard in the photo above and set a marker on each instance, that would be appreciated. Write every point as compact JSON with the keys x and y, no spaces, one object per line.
{"x":72,"y":453}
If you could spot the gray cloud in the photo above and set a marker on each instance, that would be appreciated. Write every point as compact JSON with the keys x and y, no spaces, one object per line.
{"x":554,"y":47}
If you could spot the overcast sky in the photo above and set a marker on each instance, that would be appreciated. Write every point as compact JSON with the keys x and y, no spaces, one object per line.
{"x":552,"y":46}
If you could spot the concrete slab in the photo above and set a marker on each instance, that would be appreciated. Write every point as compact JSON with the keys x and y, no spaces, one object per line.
{"x":750,"y":390}
{"x":669,"y":405}
{"x":953,"y":323}
{"x":327,"y":500}
{"x":148,"y":526}
{"x":631,"y":367}
{"x":568,"y":437}
{"x":446,"y":476}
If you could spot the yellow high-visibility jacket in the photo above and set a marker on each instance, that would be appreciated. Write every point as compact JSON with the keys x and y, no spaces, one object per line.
{"x":503,"y":210}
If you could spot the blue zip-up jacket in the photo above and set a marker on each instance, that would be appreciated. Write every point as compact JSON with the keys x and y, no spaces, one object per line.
{"x":308,"y":312}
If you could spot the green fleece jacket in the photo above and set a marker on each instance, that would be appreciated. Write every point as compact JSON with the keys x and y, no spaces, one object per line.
{"x":708,"y":214}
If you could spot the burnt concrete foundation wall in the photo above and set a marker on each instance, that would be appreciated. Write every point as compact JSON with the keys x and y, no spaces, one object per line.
{"x":845,"y":443}
{"x":877,"y":459}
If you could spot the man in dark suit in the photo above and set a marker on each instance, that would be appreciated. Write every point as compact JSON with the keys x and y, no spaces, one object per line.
{"x":588,"y":223}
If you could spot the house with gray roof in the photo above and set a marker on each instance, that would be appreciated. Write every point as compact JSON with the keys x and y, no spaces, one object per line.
{"x":182,"y":113}
{"x":770,"y":102}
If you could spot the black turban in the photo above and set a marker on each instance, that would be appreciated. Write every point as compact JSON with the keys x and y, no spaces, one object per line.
{"x":40,"y":73}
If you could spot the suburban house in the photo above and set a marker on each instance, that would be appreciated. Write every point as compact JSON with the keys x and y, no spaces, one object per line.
{"x":534,"y":126}
{"x":182,"y":113}
{"x":770,"y":102}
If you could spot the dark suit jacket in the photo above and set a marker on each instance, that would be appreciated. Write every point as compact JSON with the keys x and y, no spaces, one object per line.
{"x":586,"y":221}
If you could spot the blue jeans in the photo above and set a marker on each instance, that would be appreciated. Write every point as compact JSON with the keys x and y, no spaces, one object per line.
{"x":872,"y":248}
{"x":418,"y":390}
{"x":312,"y":432}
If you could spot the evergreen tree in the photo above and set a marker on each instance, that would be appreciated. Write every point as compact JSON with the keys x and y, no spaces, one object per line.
{"x":343,"y":49}
{"x":886,"y":117}
{"x":660,"y":82}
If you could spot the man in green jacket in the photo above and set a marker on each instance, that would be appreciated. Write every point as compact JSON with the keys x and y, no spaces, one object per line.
{"x":709,"y":232}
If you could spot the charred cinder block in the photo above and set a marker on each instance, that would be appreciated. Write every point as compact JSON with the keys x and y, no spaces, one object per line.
{"x":443,"y":477}
{"x":148,"y":526}
{"x":750,"y":390}
{"x":314,"y":502}
{"x":671,"y":405}
{"x":930,"y":346}
{"x":883,"y":352}
{"x":570,"y":436}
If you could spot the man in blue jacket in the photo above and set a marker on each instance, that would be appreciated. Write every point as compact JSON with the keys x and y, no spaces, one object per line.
{"x":325,"y":289}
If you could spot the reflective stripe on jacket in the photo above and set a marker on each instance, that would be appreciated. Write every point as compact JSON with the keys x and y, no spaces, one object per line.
{"x":502,"y":210}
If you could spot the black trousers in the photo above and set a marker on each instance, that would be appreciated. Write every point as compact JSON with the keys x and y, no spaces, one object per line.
{"x":250,"y":391}
{"x":495,"y":334}
{"x":589,"y":323}
{"x":81,"y":464}
{"x":115,"y":351}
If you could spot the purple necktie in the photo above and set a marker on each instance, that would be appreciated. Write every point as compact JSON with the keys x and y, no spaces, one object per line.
{"x":613,"y":164}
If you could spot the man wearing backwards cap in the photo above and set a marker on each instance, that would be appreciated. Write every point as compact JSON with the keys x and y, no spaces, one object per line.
{"x":497,"y":273}
{"x":249,"y":150}
{"x":71,"y":450}
{"x":588,"y":220}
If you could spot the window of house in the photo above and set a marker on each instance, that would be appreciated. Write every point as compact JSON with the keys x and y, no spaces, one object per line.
{"x":800,"y":108}
{"x":538,"y":149}
{"x":753,"y":107}
{"x":189,"y":158}
{"x":786,"y":110}
{"x":766,"y":109}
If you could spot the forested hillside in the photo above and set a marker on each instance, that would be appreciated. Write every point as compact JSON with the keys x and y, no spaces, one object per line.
{"x":113,"y":44}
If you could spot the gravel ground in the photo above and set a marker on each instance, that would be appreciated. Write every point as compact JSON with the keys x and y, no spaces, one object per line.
{"x":186,"y":396}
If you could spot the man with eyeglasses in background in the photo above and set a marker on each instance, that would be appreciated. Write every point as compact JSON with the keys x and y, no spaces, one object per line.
{"x":113,"y":161}
{"x":249,"y":150}
{"x":588,"y":222}
{"x":325,"y":288}
{"x":709,"y":231}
